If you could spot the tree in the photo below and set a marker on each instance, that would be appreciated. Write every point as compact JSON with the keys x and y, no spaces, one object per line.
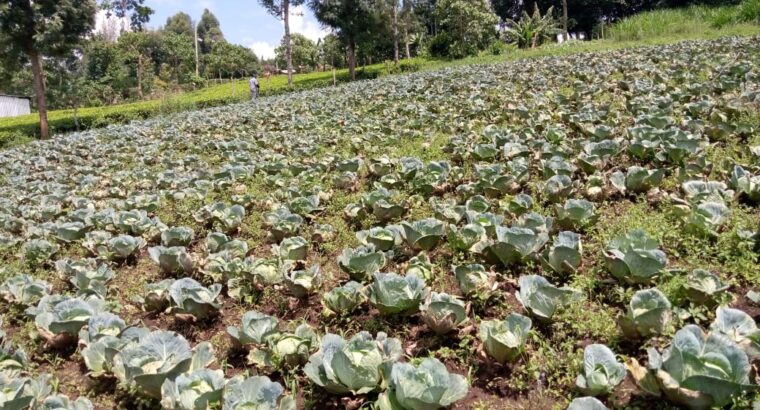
{"x":330,"y":51}
{"x":532,"y":29}
{"x":180,"y":23}
{"x":139,"y":14}
{"x":105,"y":69}
{"x":390,"y":10}
{"x":139,"y":50}
{"x":303,"y":52}
{"x":178,"y":54}
{"x":352,"y":19}
{"x":507,"y":9}
{"x":231,"y":60}
{"x":281,"y":10}
{"x":468,"y":25}
{"x":564,"y":17}
{"x":410,"y":25}
{"x":209,"y":31}
{"x":33,"y":29}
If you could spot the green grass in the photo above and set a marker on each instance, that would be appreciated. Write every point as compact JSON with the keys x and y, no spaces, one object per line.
{"x":691,"y":21}
{"x":652,"y":28}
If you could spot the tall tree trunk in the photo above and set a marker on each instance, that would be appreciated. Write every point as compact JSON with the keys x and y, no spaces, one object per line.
{"x":39,"y":90}
{"x":406,"y":42}
{"x":197,"y":58}
{"x":352,"y":58}
{"x":395,"y":31}
{"x":139,"y":76}
{"x":288,"y":46}
{"x":564,"y":17}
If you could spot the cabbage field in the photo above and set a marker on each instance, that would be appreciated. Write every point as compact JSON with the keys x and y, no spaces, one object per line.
{"x":572,"y":232}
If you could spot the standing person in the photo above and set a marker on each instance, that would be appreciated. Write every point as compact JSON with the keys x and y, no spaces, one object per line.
{"x":254,"y":83}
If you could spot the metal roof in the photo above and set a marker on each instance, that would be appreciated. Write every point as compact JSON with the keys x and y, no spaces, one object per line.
{"x":15,"y":96}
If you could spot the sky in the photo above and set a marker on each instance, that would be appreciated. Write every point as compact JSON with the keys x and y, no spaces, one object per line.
{"x":243,"y":22}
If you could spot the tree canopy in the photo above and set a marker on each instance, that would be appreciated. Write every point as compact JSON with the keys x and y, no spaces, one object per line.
{"x":135,"y":10}
{"x":351,"y":19}
{"x":209,"y":31}
{"x":32,"y":30}
{"x":304,"y":52}
{"x":180,"y":23}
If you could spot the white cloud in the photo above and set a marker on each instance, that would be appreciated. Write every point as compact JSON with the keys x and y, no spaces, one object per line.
{"x":263,"y":50}
{"x":310,"y":28}
{"x":300,"y":22}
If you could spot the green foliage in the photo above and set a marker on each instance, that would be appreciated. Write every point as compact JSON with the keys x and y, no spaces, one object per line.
{"x":180,"y":23}
{"x":427,"y":386}
{"x":209,"y":32}
{"x":304,"y":53}
{"x":136,"y":10}
{"x":356,"y":366}
{"x":467,"y":27}
{"x":227,"y":60}
{"x":682,"y":21}
{"x":352,"y":19}
{"x":532,"y":30}
{"x":749,"y":11}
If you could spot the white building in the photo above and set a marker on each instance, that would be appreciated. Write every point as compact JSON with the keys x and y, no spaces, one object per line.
{"x":13,"y":105}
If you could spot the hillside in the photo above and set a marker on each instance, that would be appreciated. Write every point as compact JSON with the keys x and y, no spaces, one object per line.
{"x":677,"y":25}
{"x":492,"y":225}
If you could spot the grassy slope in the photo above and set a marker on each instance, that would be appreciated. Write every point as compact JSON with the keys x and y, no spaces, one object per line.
{"x":20,"y":129}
